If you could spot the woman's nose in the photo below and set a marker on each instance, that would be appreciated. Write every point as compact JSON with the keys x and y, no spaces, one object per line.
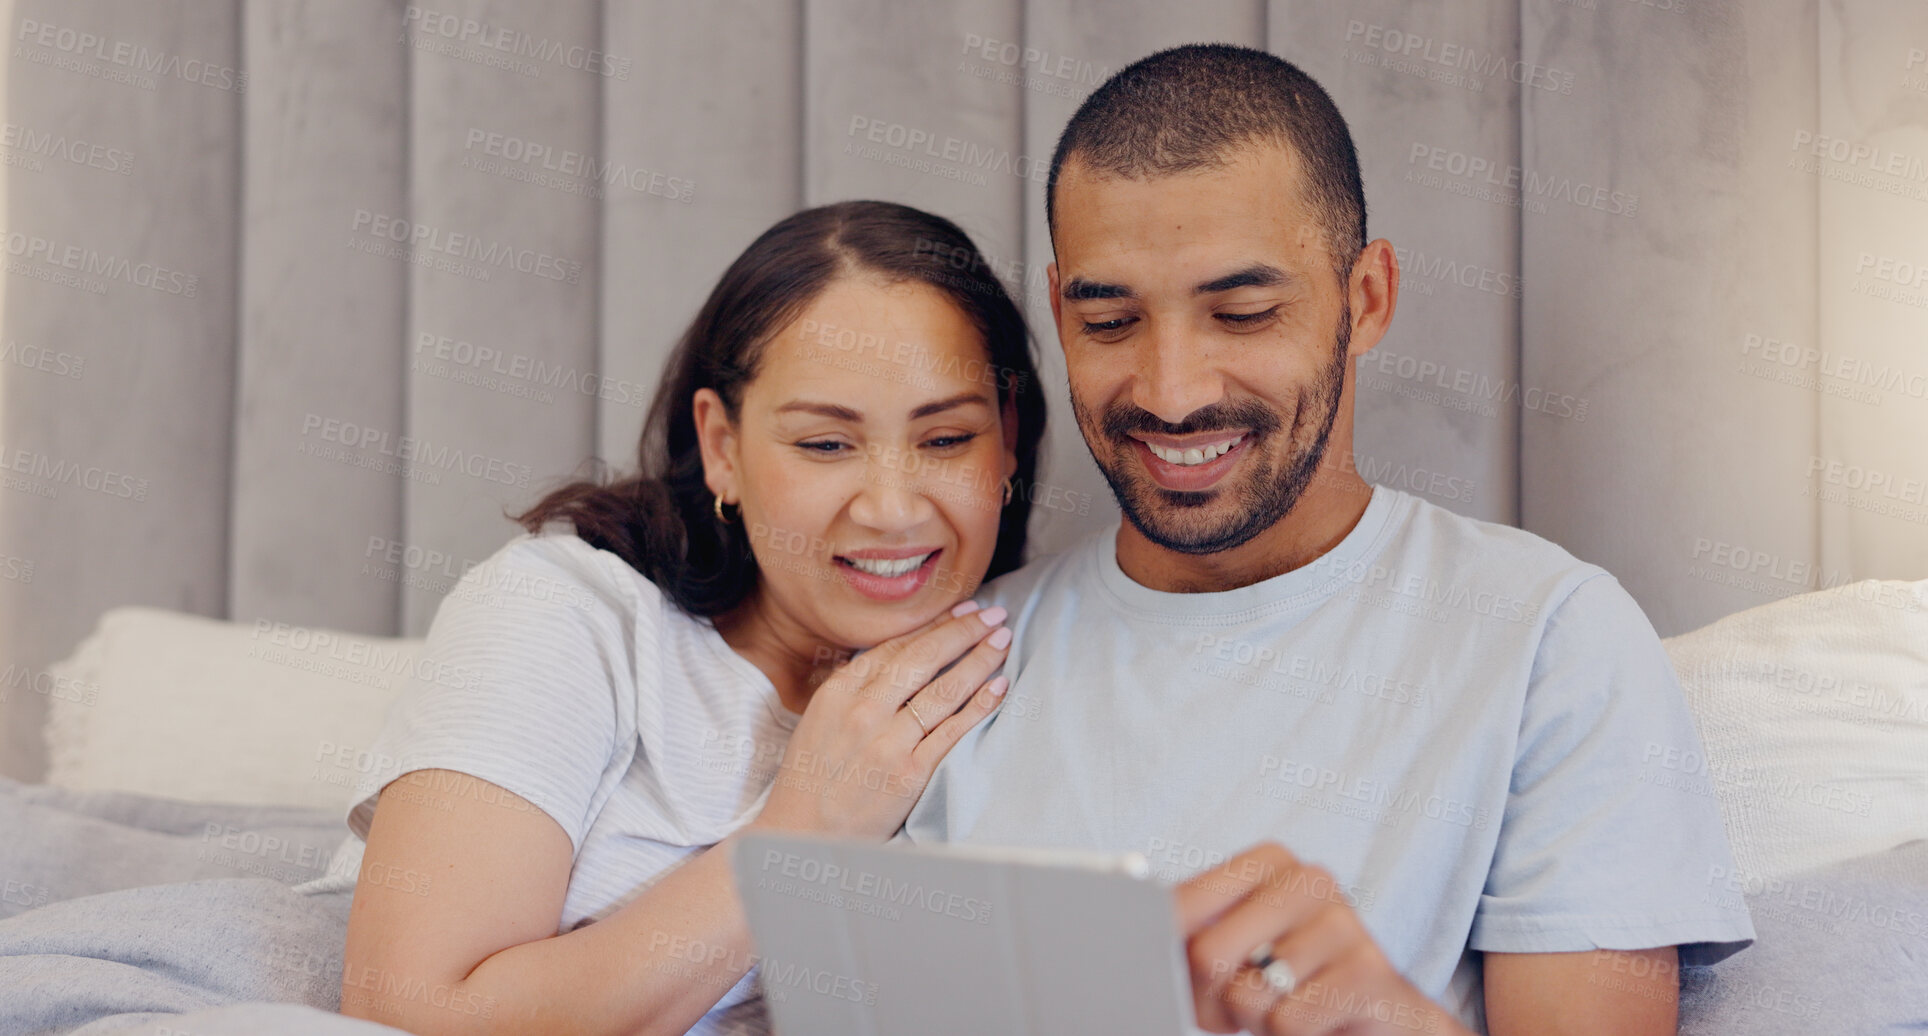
{"x":890,"y":500}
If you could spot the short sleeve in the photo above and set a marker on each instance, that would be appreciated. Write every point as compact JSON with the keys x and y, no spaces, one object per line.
{"x":1608,"y":841}
{"x":525,"y":681}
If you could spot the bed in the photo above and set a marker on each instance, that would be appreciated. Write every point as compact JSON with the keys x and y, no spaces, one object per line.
{"x":175,"y":870}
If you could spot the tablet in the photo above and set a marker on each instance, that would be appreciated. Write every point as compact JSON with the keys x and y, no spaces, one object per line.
{"x":866,"y":939}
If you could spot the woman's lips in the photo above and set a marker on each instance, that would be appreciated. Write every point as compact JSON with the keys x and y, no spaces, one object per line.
{"x":887,"y":588}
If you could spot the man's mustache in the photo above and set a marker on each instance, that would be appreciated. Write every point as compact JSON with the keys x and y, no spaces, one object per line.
{"x":1247,"y":415}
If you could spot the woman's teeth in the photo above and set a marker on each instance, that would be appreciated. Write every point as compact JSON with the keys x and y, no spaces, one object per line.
{"x":1195,"y":455}
{"x":888,"y":568}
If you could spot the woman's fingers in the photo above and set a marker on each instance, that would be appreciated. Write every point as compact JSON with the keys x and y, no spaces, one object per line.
{"x":945,"y":736}
{"x":944,"y":695}
{"x":859,"y":740}
{"x":892,"y":672}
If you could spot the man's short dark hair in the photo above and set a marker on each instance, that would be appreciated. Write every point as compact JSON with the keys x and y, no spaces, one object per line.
{"x":1184,"y":108}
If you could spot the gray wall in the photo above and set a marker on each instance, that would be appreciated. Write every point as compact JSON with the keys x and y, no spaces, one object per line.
{"x":1664,"y":292}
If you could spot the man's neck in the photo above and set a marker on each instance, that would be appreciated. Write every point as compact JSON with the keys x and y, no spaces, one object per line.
{"x":1328,"y":509}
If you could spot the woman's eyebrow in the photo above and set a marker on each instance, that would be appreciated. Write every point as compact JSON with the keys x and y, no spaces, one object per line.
{"x":840,"y":412}
{"x":831,"y":410}
{"x":938,"y":406}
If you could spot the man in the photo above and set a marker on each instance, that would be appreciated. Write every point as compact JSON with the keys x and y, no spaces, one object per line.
{"x":1434,"y":734}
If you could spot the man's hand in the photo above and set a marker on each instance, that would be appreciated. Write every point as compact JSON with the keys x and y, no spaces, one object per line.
{"x":1265,"y":899}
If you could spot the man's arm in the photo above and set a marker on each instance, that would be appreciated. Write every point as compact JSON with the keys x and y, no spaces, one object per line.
{"x":1341,"y":981}
{"x":1591,"y":993}
{"x":1335,"y":978}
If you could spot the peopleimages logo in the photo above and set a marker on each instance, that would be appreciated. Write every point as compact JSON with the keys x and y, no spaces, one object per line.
{"x":431,"y":240}
{"x":131,"y":57}
{"x":1893,"y":270}
{"x":413,"y":452}
{"x":1414,"y":263}
{"x":471,"y":32}
{"x":516,"y":374}
{"x":94,"y":267}
{"x":1459,"y":57}
{"x":879,"y":888}
{"x":55,"y":472}
{"x":1869,"y":480}
{"x":21,"y":142}
{"x":1531,"y":184}
{"x":1886,"y":377}
{"x":1871,"y":157}
{"x":920,"y":144}
{"x":532,"y":160}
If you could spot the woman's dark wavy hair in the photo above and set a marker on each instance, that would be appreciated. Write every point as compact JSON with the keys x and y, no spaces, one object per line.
{"x":659,"y":519}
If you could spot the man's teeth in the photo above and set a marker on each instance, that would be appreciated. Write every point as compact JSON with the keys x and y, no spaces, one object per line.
{"x":1195,"y":455}
{"x":889,"y":568}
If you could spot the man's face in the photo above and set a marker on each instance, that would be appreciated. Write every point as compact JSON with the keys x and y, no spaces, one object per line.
{"x":1205,"y":333}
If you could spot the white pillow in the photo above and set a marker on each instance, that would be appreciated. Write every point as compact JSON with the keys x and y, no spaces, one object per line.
{"x":1814,"y":712}
{"x":176,"y":705}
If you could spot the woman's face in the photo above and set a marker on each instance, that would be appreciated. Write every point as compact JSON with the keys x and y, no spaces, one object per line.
{"x":868,"y":459}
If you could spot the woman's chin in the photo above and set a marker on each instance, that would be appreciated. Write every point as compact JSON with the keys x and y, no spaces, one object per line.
{"x":899,"y":621}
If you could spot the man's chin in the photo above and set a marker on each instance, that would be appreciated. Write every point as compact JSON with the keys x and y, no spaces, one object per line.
{"x":1192,"y":526}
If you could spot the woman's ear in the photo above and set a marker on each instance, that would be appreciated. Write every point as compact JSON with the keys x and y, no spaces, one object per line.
{"x":716,"y":438}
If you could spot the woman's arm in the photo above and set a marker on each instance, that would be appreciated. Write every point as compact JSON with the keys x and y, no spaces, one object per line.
{"x":453,"y":927}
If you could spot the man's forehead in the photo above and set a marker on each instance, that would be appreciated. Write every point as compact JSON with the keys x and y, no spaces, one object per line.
{"x":1209,"y":220}
{"x":1259,"y":161}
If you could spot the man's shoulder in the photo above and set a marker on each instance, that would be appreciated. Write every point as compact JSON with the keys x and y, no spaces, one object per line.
{"x":1474,"y":551}
{"x":1050,"y":574}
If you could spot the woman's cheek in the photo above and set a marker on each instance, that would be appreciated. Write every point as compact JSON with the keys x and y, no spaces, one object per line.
{"x":982,"y":499}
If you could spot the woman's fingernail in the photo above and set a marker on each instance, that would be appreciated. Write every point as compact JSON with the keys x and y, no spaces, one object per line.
{"x":1001,"y":638}
{"x":964,"y":608}
{"x":998,"y":686}
{"x":992,"y":615}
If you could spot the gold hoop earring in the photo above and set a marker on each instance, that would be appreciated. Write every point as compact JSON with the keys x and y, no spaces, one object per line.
{"x":717,"y":508}
{"x":1007,"y":492}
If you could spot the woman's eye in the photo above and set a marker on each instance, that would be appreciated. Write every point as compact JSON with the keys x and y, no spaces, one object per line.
{"x":1247,"y":318}
{"x":948,"y":441}
{"x":824,"y":446}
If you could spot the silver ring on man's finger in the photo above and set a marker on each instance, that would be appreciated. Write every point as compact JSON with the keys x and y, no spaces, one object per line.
{"x":1277,"y":973}
{"x":921,"y":725}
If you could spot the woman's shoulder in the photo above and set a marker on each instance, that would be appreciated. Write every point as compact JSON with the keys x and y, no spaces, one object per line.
{"x":557,"y":568}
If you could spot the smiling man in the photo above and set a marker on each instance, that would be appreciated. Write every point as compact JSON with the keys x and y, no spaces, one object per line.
{"x":1409,"y":766}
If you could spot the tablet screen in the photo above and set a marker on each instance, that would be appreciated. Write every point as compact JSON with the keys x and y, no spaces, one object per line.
{"x":863,"y":939}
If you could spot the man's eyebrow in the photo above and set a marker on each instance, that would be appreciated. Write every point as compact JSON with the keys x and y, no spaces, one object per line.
{"x":1257,"y":275}
{"x":1077,"y":289}
{"x":938,"y":406}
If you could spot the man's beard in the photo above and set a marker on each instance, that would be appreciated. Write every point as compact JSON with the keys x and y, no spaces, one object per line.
{"x":1174,"y":519}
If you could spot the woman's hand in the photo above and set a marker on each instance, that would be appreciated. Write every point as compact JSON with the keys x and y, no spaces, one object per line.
{"x":877,"y":728}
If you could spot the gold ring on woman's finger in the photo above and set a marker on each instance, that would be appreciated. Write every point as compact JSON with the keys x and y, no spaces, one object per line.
{"x":921,"y":725}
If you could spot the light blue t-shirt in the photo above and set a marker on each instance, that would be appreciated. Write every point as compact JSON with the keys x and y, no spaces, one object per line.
{"x":1458,"y":719}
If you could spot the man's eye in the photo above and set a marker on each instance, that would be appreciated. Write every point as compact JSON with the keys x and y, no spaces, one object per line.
{"x":1105,"y":327}
{"x":1247,"y":318}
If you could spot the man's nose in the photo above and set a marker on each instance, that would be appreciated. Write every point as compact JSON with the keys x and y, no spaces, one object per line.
{"x":1174,"y":377}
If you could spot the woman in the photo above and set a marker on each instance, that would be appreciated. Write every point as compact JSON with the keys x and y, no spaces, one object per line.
{"x":656,"y":664}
